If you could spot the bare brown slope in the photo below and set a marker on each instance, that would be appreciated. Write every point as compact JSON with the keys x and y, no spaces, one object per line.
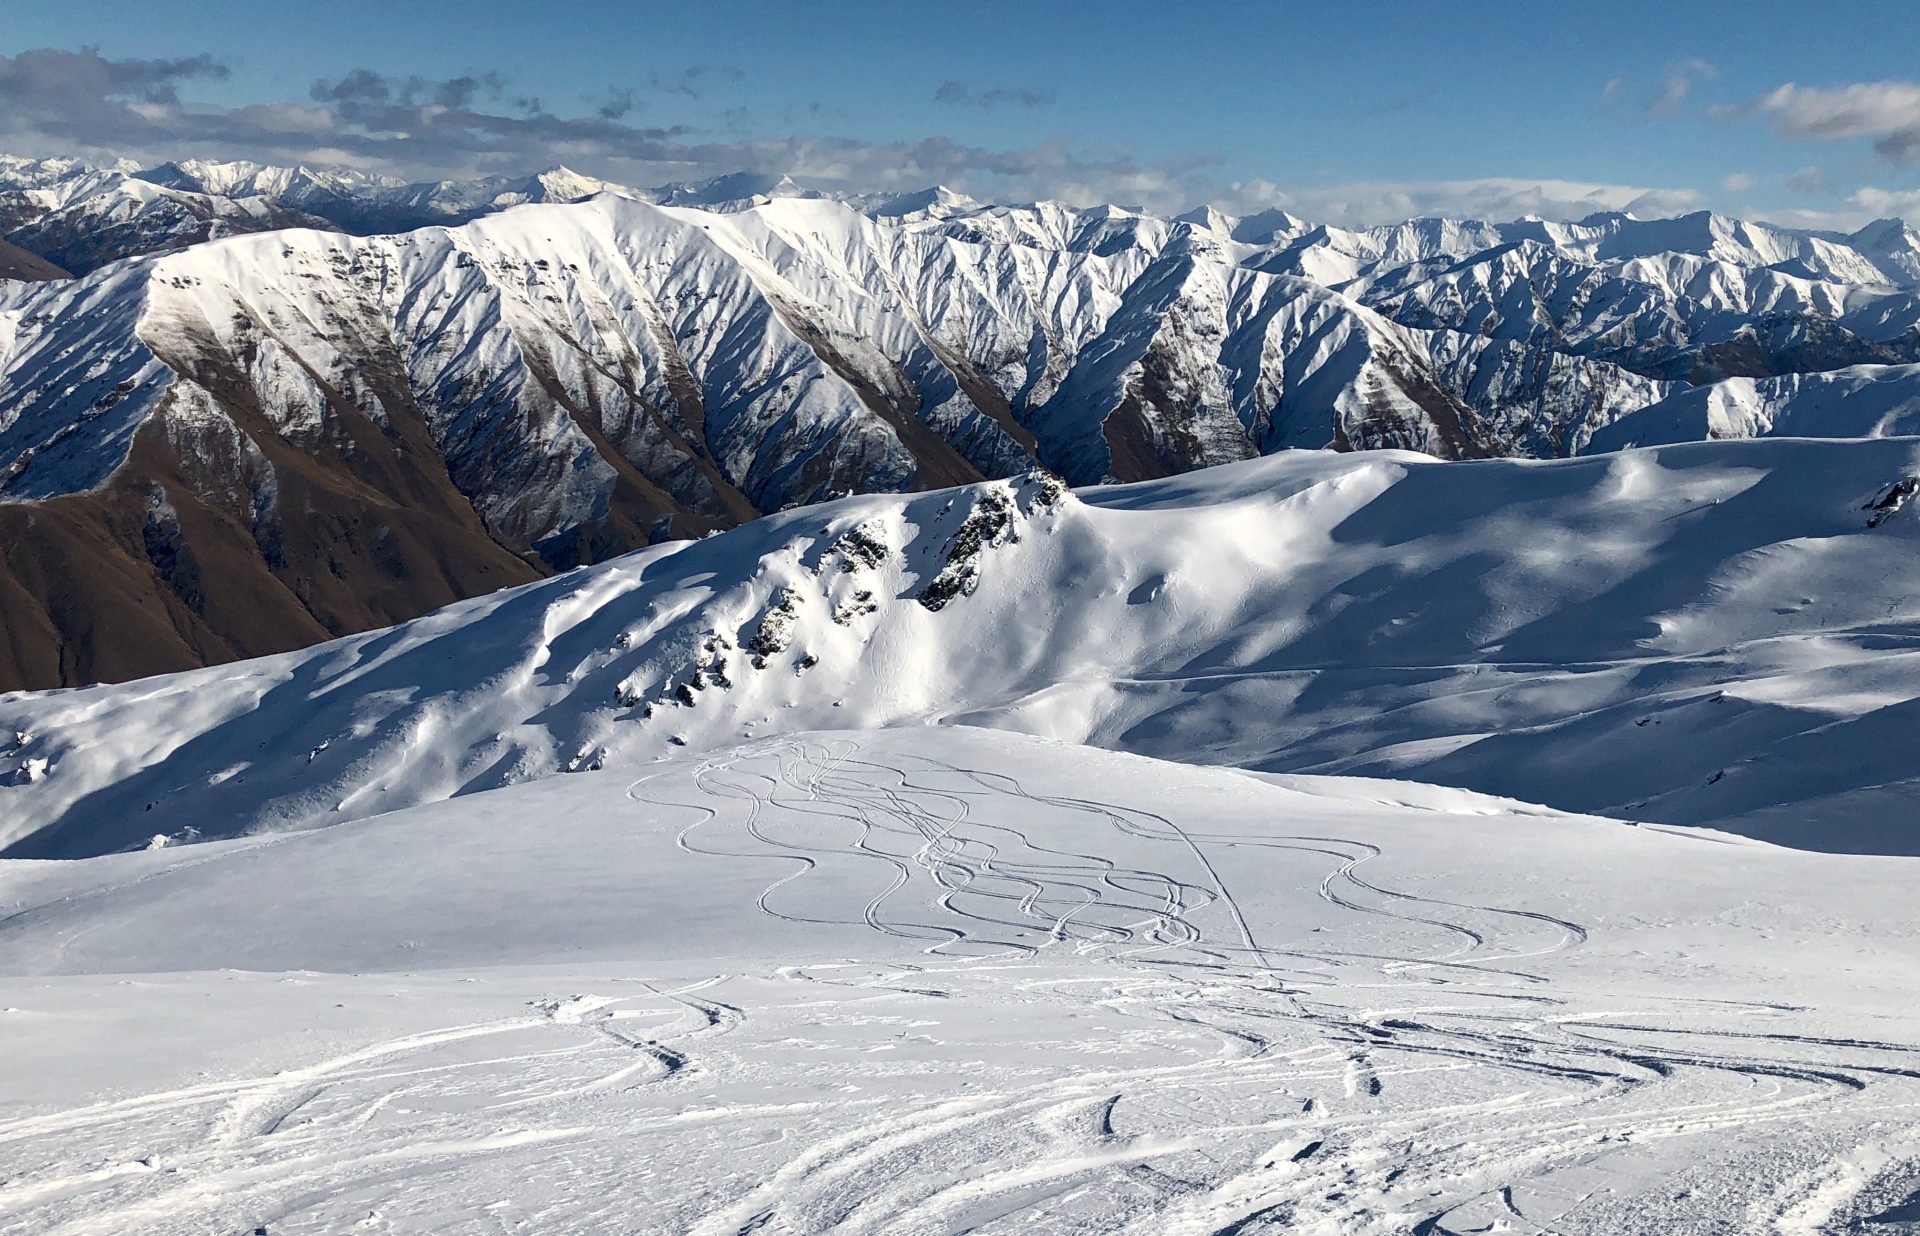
{"x":222,"y":538}
{"x":149,"y":574}
{"x":17,"y":263}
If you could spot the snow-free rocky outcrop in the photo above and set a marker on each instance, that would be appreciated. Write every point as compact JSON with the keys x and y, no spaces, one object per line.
{"x":1713,"y":633}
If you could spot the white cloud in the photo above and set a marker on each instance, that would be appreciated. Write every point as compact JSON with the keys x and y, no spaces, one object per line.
{"x":1880,"y":203}
{"x":1888,"y":112}
{"x":1810,"y":180}
{"x":1738,"y":182}
{"x":1841,"y":221}
{"x":1858,"y":209}
{"x":1368,"y":203}
{"x":1678,"y":84}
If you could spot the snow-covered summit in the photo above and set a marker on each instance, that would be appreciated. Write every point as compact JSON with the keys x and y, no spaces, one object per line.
{"x":937,"y":202}
{"x":736,"y":191}
{"x":241,"y":178}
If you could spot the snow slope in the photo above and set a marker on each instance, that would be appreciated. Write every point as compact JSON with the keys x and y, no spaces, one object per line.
{"x":1865,"y":401}
{"x":1713,"y":634}
{"x":934,"y":981}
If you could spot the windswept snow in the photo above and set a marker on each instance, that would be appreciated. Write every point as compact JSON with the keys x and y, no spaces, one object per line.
{"x":1712,"y":634}
{"x":939,"y":981}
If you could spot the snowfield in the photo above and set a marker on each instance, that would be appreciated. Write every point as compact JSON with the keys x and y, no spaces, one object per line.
{"x":948,"y":980}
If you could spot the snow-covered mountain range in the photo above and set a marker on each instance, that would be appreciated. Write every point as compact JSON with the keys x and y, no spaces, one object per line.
{"x":350,"y":429}
{"x":79,"y":216}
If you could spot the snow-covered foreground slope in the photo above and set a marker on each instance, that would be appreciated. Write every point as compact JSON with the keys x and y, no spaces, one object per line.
{"x":1715,"y":633}
{"x":942,"y":981}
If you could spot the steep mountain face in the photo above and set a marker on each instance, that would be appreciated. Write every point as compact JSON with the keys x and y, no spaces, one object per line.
{"x":1714,"y":633}
{"x":1696,"y":298}
{"x":316,"y":413}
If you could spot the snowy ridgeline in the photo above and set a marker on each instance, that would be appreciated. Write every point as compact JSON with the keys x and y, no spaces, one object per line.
{"x":928,"y":981}
{"x":1715,"y":634}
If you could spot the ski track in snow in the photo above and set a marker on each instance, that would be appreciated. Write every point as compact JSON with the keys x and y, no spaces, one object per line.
{"x":1433,"y":1077}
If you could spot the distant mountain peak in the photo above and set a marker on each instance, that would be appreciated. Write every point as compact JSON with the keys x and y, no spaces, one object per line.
{"x":1268,"y":226}
{"x":1207,"y":219}
{"x":935,"y":200}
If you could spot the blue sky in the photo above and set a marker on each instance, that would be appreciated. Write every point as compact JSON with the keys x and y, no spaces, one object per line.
{"x":1357,"y":112}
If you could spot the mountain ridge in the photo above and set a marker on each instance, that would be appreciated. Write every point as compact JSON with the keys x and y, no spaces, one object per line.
{"x":1716,"y":634}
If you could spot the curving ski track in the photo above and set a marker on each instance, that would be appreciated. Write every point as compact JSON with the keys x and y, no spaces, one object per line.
{"x":1426,"y":1072}
{"x":1573,"y":1091}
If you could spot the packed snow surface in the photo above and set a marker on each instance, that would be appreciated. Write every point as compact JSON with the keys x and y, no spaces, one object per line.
{"x":951,"y":980}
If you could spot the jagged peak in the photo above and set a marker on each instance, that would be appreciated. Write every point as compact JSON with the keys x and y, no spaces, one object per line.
{"x":1270,"y":225}
{"x":730,"y":188}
